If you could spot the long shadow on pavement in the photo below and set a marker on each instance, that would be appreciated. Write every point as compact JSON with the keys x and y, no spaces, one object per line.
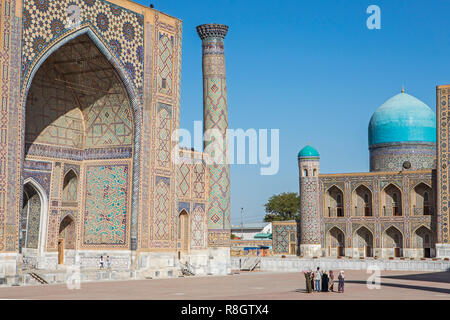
{"x":442,"y":277}
{"x":405,"y":286}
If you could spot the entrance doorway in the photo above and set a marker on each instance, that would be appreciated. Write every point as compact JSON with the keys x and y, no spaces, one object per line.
{"x":32,"y":221}
{"x":183,"y":233}
{"x":292,"y":242}
{"x":61,"y":251}
{"x":368,"y":251}
{"x":363,"y":240}
{"x":336,"y":240}
{"x":393,"y":242}
{"x":292,"y":248}
{"x":66,"y":237}
{"x":30,"y":218}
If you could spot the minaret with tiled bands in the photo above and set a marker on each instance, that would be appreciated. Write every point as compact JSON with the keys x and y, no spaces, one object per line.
{"x":215,"y":116}
{"x":309,"y":239}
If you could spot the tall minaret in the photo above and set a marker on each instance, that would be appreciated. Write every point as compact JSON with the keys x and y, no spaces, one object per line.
{"x":308,"y":164}
{"x":215,"y":116}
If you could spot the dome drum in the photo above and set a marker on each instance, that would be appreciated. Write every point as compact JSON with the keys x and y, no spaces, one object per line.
{"x":392,"y":156}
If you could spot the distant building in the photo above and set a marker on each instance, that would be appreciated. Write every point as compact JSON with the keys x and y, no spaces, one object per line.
{"x":398,"y":209}
{"x":248,"y":231}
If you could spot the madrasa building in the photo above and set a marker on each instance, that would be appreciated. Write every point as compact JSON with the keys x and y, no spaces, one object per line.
{"x":90,"y":97}
{"x":397,"y":209}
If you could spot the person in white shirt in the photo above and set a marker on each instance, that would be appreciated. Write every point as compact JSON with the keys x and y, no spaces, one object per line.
{"x":318,"y":276}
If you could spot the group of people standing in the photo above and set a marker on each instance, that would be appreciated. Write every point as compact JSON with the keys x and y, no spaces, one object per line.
{"x":102,"y":263}
{"x":322,"y":281}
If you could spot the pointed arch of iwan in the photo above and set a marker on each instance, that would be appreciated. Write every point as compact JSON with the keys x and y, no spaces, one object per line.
{"x":135,"y":105}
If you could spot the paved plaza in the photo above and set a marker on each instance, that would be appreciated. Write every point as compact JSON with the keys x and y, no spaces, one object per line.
{"x":247,"y":286}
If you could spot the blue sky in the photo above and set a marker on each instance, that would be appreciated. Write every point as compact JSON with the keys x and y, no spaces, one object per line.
{"x":313,"y":70}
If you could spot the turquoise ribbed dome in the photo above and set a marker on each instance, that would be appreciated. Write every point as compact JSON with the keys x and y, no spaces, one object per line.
{"x":402,"y":118}
{"x":307,"y":152}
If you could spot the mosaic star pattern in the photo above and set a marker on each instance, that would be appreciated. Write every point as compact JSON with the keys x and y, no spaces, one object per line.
{"x":46,"y":21}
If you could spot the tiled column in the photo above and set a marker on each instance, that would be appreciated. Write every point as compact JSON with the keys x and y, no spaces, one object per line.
{"x":215,"y":116}
{"x":310,"y":245}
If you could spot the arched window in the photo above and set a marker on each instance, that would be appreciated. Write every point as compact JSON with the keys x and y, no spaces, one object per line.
{"x":70,"y":186}
{"x":333,"y":200}
{"x":305,"y":172}
{"x":315,"y":172}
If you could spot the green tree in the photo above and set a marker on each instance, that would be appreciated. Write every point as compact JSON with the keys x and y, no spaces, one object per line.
{"x":282,"y":207}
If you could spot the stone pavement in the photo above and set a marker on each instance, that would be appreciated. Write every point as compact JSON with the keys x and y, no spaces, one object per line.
{"x":247,"y":286}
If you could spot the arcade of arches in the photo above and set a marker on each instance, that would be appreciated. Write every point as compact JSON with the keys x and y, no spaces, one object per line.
{"x":368,"y":219}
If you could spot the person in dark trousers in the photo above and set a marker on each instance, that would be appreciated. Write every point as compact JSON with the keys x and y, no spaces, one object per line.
{"x":324,"y":282}
{"x":341,"y":282}
{"x":101,"y":262}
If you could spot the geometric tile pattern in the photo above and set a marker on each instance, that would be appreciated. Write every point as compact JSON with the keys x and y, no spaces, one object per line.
{"x":53,"y":230}
{"x":106,"y":204}
{"x":10,"y":53}
{"x":198,"y":227}
{"x":183,"y":180}
{"x":43,"y":106}
{"x":218,"y":238}
{"x":164,"y":135}
{"x":309,"y":200}
{"x":390,"y":157}
{"x":443,"y":168}
{"x":62,"y":111}
{"x":281,"y":236}
{"x":198,"y":184}
{"x":46,"y":21}
{"x":161,"y":217}
{"x":216,"y":117}
{"x":109,"y":122}
{"x":165,"y":65}
{"x":33,"y":207}
{"x":164,"y":94}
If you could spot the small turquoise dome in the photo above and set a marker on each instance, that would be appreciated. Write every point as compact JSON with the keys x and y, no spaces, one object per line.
{"x":402,"y":118}
{"x":308,"y":152}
